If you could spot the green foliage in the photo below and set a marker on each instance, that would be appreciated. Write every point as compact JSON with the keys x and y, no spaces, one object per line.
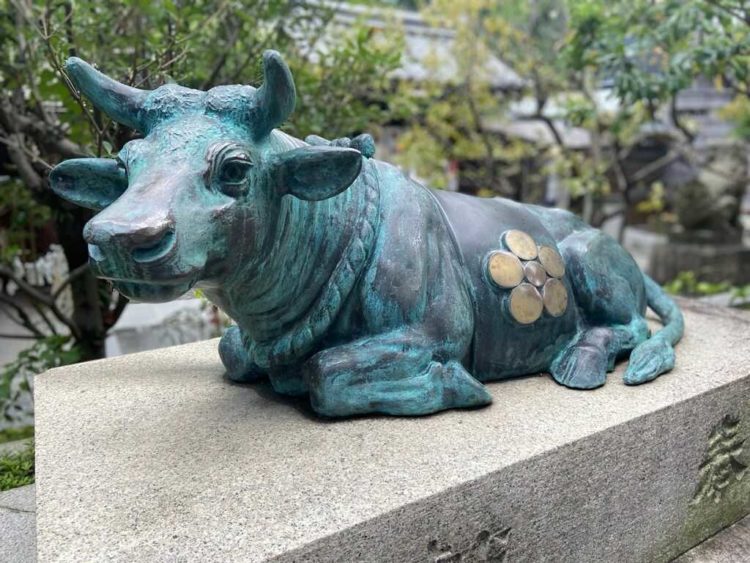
{"x":200,"y":45}
{"x":738,"y":112}
{"x":16,"y":377}
{"x":652,"y":50}
{"x":20,"y":217}
{"x":448,"y":120}
{"x":342,"y":77}
{"x":688,"y":284}
{"x":17,"y":469}
{"x":740,"y":297}
{"x":348,"y":91}
{"x":13,"y":434}
{"x":655,"y":201}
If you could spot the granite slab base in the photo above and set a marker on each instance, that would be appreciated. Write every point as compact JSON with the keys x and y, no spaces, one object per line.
{"x":17,"y":531}
{"x":731,"y":545}
{"x":157,"y":457}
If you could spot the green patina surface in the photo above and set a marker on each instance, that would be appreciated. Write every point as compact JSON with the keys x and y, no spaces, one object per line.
{"x":348,"y":281}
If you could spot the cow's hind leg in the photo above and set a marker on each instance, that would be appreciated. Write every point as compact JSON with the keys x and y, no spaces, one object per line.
{"x":398,"y":373}
{"x":585,"y":362}
{"x":608,"y":290}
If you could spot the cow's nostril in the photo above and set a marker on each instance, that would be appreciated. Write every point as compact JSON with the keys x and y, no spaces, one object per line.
{"x":156,"y":250}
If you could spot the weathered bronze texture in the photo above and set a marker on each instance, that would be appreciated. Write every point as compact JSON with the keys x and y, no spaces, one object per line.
{"x":349,"y":282}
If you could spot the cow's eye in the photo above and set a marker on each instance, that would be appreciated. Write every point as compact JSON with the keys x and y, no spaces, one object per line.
{"x":233,"y":171}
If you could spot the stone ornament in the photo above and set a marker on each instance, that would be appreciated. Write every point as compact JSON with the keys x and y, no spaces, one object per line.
{"x":350,"y":283}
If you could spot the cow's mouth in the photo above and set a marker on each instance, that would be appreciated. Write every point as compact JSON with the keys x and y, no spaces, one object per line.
{"x":175,"y":279}
{"x":154,"y":275}
{"x":154,"y":291}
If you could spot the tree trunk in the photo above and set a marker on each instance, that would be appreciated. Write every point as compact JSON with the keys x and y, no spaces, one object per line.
{"x":87,"y":305}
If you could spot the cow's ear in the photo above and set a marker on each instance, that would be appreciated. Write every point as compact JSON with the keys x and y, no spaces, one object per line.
{"x":89,"y":182}
{"x":317,"y":172}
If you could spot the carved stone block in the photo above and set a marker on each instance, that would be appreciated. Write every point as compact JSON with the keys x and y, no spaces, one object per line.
{"x":159,"y":457}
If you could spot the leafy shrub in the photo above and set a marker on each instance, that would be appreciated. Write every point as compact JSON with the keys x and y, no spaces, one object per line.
{"x":16,"y":378}
{"x":17,"y":470}
{"x":13,"y":434}
{"x":688,"y":284}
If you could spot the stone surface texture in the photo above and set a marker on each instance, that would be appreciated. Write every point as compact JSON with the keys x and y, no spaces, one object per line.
{"x":14,"y":447}
{"x":17,"y":533}
{"x":157,"y":457}
{"x":731,"y":545}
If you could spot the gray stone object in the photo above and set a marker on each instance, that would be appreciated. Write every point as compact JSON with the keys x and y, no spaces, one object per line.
{"x":731,"y":545}
{"x":710,"y":262}
{"x":17,"y":533}
{"x":158,"y":457}
{"x":665,"y":259}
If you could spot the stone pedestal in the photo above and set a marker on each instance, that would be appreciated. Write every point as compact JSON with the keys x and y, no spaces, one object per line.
{"x":710,"y":262}
{"x":157,"y":457}
{"x":664,"y":259}
{"x":17,"y":541}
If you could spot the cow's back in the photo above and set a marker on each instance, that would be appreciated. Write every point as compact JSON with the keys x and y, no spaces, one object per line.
{"x":502,"y":346}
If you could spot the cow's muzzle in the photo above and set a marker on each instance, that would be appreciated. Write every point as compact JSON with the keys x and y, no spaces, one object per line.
{"x":124,"y":246}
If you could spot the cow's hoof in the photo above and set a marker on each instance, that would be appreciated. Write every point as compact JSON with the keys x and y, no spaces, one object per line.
{"x":649,"y":360}
{"x":583,"y":366}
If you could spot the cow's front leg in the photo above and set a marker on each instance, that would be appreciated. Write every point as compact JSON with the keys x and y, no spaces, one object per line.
{"x":236,"y":359}
{"x":399,"y":373}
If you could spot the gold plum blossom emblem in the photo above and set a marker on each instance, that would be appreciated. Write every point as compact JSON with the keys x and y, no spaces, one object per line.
{"x":533,"y":274}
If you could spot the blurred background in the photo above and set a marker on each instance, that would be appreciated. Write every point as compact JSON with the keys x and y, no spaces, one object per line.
{"x":632,"y":113}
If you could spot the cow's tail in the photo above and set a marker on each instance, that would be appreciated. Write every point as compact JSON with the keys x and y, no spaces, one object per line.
{"x":656,"y":355}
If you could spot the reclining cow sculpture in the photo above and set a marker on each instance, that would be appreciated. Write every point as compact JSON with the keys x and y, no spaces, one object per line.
{"x":347,"y":280}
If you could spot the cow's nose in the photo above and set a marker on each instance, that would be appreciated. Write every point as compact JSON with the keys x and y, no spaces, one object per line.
{"x":146,"y":242}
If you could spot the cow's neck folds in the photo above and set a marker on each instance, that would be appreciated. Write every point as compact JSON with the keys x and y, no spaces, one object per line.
{"x":317,"y":253}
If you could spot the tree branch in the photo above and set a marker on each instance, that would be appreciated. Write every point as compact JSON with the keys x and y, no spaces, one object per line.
{"x":37,"y":295}
{"x":23,"y":318}
{"x":72,"y":276}
{"x":654,"y":166}
{"x":743,"y":16}
{"x":489,"y":158}
{"x":18,"y":336}
{"x":17,"y":151}
{"x":676,"y":120}
{"x":46,"y":135}
{"x":44,"y":317}
{"x":114,"y":315}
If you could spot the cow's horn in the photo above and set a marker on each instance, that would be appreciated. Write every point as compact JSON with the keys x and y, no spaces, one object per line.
{"x":122,"y":103}
{"x":276,"y":97}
